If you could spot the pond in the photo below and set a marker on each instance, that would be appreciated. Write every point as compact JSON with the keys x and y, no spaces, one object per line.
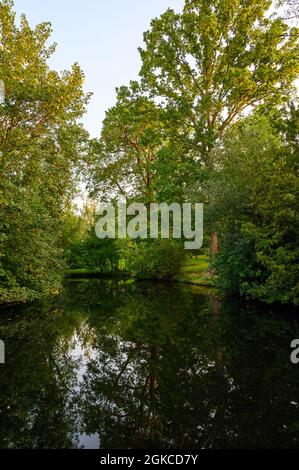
{"x":151,"y":365}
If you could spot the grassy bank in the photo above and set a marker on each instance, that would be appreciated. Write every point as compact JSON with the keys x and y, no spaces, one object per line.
{"x":195,"y":270}
{"x":92,"y":272}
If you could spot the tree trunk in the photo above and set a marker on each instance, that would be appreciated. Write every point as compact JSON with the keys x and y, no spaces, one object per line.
{"x":214,"y":244}
{"x":214,"y":248}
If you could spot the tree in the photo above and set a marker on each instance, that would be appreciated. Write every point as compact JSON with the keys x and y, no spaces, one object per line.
{"x":255,"y":205}
{"x":40,"y":147}
{"x":124,"y":158}
{"x":213,"y":62}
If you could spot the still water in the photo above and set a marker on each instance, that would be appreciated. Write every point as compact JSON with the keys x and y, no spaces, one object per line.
{"x":117,"y":365}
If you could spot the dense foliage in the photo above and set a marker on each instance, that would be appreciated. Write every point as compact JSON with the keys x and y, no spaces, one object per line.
{"x":40,"y":144}
{"x":256,"y":204}
{"x":175,"y":137}
{"x":209,"y":120}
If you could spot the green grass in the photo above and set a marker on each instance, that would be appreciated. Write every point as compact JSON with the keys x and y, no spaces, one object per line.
{"x":91,"y":272}
{"x":196,"y":271}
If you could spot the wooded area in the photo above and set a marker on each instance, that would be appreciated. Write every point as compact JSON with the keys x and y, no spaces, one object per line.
{"x":213,"y":119}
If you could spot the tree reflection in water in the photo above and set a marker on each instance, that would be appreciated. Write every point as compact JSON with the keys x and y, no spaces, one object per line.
{"x":147,"y":365}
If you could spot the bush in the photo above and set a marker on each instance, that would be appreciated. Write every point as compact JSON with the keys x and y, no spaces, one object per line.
{"x":256,"y":209}
{"x":156,"y":259}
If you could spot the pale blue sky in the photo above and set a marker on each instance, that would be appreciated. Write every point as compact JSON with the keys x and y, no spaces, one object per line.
{"x":103,"y":36}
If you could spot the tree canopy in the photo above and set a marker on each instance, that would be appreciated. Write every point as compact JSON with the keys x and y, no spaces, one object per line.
{"x":40,"y":146}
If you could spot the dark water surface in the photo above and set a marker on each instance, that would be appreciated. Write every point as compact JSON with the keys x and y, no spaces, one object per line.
{"x":150,"y":365}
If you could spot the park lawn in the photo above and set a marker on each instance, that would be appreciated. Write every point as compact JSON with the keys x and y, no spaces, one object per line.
{"x":195,"y":270}
{"x":94,"y":271}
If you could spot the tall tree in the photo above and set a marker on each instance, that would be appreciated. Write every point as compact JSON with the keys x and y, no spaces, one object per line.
{"x":40,"y":144}
{"x":215,"y":61}
{"x":123,"y":161}
{"x":212,"y":63}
